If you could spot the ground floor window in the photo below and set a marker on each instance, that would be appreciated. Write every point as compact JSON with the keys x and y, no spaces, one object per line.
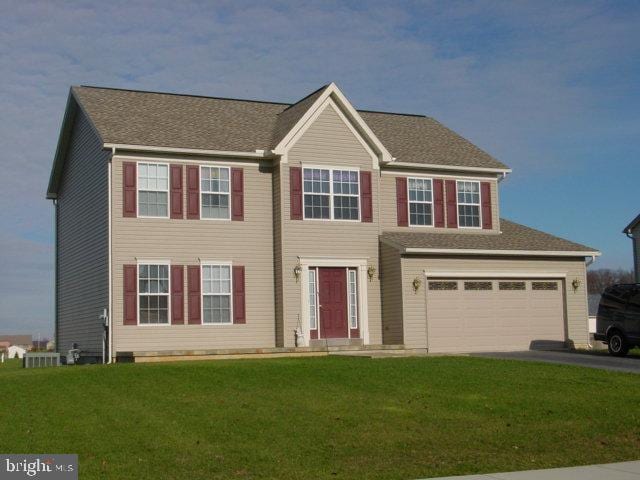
{"x":216,"y":294}
{"x":153,"y":294}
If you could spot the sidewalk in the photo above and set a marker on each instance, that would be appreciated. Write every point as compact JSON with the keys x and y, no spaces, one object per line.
{"x":609,"y":471}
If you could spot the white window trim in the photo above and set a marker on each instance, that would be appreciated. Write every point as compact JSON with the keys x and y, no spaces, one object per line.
{"x":201,"y":192}
{"x":355,"y":273}
{"x":429,"y":203}
{"x":138,"y":189}
{"x":331,"y":194}
{"x":202,"y":294}
{"x":479,"y":205}
{"x":168,"y":294}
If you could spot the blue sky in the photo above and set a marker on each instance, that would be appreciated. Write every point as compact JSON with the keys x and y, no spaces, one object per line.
{"x":550,"y":88}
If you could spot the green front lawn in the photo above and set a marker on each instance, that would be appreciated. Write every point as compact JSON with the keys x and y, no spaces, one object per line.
{"x":335,"y":417}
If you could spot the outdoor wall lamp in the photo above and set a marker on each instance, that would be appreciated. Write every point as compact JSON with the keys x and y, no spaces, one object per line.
{"x":371,"y":271}
{"x":416,"y":284}
{"x":576,"y":284}
{"x":297,"y":271}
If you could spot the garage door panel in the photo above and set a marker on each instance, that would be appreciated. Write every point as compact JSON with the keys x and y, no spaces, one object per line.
{"x":498,"y":319}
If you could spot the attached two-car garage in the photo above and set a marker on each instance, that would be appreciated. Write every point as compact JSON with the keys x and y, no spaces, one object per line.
{"x":493,"y":314}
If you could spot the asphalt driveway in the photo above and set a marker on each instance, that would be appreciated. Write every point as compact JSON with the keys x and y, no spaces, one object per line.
{"x":583,"y":359}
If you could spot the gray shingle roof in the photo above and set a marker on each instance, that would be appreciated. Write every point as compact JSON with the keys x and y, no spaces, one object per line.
{"x":184,"y":121}
{"x":513,"y":236}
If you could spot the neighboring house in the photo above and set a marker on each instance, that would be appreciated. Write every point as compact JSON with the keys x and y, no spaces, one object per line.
{"x":633,"y":232}
{"x":24,"y":341}
{"x":208,"y":224}
{"x":594,"y":301}
{"x":15,"y":351}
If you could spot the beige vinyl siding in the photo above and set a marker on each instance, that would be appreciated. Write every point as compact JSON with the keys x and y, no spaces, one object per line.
{"x":636,"y":251}
{"x":277,"y":256}
{"x":415,"y":323}
{"x":391,"y":284}
{"x":82,"y":242}
{"x":388,"y":208}
{"x":328,"y":141}
{"x":187,"y":242}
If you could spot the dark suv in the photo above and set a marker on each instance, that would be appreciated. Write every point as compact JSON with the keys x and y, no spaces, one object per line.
{"x":618,"y":321}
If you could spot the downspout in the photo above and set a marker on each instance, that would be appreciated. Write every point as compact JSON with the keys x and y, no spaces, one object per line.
{"x":109,"y":266}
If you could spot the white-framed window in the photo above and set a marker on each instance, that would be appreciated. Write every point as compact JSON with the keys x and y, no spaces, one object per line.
{"x":468,"y":204}
{"x":153,"y":294}
{"x":346,"y":195}
{"x":216,"y":294}
{"x":313,"y":300}
{"x":153,"y":190}
{"x":214,"y":193}
{"x":331,"y":194}
{"x":420,"y":202}
{"x":353,"y":298}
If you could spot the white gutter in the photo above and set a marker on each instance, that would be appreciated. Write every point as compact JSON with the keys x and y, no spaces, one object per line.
{"x":432,"y":166}
{"x":189,"y":151}
{"x":529,"y":253}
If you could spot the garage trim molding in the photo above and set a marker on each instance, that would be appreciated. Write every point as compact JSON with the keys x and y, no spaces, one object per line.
{"x":480,"y":274}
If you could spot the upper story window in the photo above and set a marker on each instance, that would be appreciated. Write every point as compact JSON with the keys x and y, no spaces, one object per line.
{"x":214,"y":190}
{"x":420,"y":201}
{"x":468,"y":204}
{"x":216,"y":294}
{"x":153,"y":190}
{"x":331,"y":194}
{"x":153,"y":294}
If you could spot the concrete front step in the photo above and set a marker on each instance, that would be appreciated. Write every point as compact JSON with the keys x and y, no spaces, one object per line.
{"x":336,"y":342}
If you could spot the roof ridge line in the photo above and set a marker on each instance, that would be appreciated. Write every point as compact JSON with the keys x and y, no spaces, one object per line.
{"x":154,"y":92}
{"x":232,"y":99}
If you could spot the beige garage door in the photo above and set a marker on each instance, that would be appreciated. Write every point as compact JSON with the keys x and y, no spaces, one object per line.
{"x":476,"y":315}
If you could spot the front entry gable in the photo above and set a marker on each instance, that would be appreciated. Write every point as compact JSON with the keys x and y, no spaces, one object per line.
{"x":333,"y":121}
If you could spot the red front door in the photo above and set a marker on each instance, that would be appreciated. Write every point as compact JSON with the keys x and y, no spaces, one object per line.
{"x":333,"y":302}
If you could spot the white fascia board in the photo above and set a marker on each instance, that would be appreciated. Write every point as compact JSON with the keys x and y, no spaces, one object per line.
{"x":524,"y":253}
{"x":189,"y":151}
{"x":461,"y":168}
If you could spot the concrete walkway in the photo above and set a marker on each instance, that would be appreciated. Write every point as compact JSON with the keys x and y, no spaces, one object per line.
{"x":609,"y":471}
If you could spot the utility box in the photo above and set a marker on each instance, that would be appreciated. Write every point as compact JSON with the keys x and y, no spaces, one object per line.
{"x":41,"y":359}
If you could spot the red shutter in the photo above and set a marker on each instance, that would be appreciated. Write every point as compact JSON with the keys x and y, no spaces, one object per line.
{"x":452,"y":204}
{"x":237,"y":194}
{"x":438,"y":203}
{"x":193,"y":281}
{"x":129,"y":189}
{"x":193,"y":192}
{"x":177,"y":294}
{"x":239,"y":314}
{"x":295,"y":185}
{"x":176,"y":191}
{"x":485,"y":198}
{"x":130,"y":314}
{"x":365,"y":197}
{"x":401,"y":201}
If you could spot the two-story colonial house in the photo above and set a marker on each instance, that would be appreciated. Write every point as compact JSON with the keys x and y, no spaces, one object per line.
{"x":203,"y":226}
